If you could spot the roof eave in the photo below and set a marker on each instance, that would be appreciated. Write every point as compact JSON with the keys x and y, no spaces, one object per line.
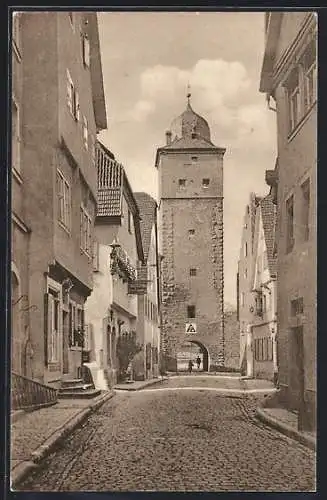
{"x":272,"y":36}
{"x":98,"y":97}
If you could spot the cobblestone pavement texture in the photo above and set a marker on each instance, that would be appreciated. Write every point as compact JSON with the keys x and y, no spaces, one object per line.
{"x":176,"y":441}
{"x":31,"y":429}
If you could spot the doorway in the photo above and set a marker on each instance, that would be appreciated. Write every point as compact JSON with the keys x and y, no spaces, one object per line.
{"x":193,"y":350}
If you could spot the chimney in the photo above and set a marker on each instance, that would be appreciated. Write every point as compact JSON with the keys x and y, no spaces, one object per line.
{"x":168,"y":137}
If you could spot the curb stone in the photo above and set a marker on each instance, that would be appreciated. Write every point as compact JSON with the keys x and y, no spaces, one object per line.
{"x":131,"y":388}
{"x":22,"y":469}
{"x":307,"y":441}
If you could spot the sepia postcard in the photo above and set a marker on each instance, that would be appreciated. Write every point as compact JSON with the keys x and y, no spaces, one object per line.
{"x":163,"y":251}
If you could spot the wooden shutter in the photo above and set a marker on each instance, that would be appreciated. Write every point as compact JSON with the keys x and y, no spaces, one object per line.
{"x":46,"y":307}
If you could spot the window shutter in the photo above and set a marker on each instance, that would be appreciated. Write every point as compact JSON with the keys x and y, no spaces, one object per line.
{"x":77,"y":111}
{"x":46,"y":307}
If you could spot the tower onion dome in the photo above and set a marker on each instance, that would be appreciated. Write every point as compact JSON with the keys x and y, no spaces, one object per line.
{"x":190,"y":124}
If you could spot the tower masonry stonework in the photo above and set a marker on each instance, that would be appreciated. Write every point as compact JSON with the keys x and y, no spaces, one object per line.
{"x":190,"y":169}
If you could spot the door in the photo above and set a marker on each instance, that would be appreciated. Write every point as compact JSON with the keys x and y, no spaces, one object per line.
{"x":297,"y":369}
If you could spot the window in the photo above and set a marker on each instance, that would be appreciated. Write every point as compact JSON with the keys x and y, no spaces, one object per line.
{"x":53,"y":327}
{"x":294,"y":99}
{"x":72,"y":98}
{"x":245,"y":273}
{"x":85,"y":133}
{"x":205,"y":183}
{"x":245,"y":249}
{"x":191,"y":311}
{"x":86,"y":50}
{"x":194,"y":159}
{"x":16,"y":32}
{"x":289,"y":224}
{"x":193,"y":271}
{"x":263,"y":349}
{"x":301,"y":85}
{"x":191,"y":232}
{"x":64,"y":200}
{"x":15,"y":137}
{"x":182,"y":182}
{"x":85,"y":231}
{"x":306,"y":209}
{"x":259,"y":304}
{"x":309,"y":65}
{"x":76,"y":325}
{"x":130,"y":221}
{"x":297,"y":306}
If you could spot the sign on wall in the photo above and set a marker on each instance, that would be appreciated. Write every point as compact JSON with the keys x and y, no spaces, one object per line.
{"x":190,"y":328}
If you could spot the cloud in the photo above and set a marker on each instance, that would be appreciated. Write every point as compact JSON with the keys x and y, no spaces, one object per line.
{"x":141,"y":110}
{"x":221,"y":91}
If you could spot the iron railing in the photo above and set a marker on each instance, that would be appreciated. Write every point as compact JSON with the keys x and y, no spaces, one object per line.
{"x":28,"y":394}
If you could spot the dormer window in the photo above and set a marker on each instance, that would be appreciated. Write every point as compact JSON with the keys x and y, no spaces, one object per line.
{"x":205,"y":183}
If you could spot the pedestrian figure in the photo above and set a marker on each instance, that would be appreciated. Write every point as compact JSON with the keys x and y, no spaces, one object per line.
{"x":190,"y":366}
{"x":198,"y":361}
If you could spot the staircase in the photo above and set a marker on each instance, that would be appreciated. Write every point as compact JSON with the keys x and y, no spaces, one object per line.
{"x":78,"y":388}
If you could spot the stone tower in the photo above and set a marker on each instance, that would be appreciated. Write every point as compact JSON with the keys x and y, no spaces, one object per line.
{"x":190,"y":169}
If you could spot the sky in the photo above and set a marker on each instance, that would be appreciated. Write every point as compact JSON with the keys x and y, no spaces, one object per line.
{"x":148,"y":59}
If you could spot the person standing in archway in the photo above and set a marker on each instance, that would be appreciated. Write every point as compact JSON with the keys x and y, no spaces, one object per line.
{"x":190,"y":366}
{"x":198,"y":362}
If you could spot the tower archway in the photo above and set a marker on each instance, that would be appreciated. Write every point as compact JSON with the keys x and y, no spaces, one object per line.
{"x":191,"y":350}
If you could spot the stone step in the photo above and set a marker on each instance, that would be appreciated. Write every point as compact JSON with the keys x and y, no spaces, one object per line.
{"x":76,"y":387}
{"x":69,"y":382}
{"x":86,"y":394}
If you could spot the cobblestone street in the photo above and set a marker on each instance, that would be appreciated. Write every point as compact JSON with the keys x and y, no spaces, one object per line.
{"x":176,"y":441}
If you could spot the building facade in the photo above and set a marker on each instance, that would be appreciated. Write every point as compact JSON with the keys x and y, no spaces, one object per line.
{"x":263,"y":328}
{"x":148,"y":327}
{"x":58,"y":108}
{"x":245,"y":299}
{"x":190,"y":171}
{"x":112,"y":308}
{"x":288,"y":77}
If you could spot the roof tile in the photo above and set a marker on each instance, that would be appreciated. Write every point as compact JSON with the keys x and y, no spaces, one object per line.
{"x":109,"y":202}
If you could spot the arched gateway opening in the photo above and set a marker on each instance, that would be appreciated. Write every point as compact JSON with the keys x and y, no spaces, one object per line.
{"x":191,"y":350}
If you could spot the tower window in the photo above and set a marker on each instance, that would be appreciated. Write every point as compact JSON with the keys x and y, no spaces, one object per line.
{"x":191,"y":311}
{"x":192,"y":271}
{"x":182,"y":182}
{"x":205,"y":183}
